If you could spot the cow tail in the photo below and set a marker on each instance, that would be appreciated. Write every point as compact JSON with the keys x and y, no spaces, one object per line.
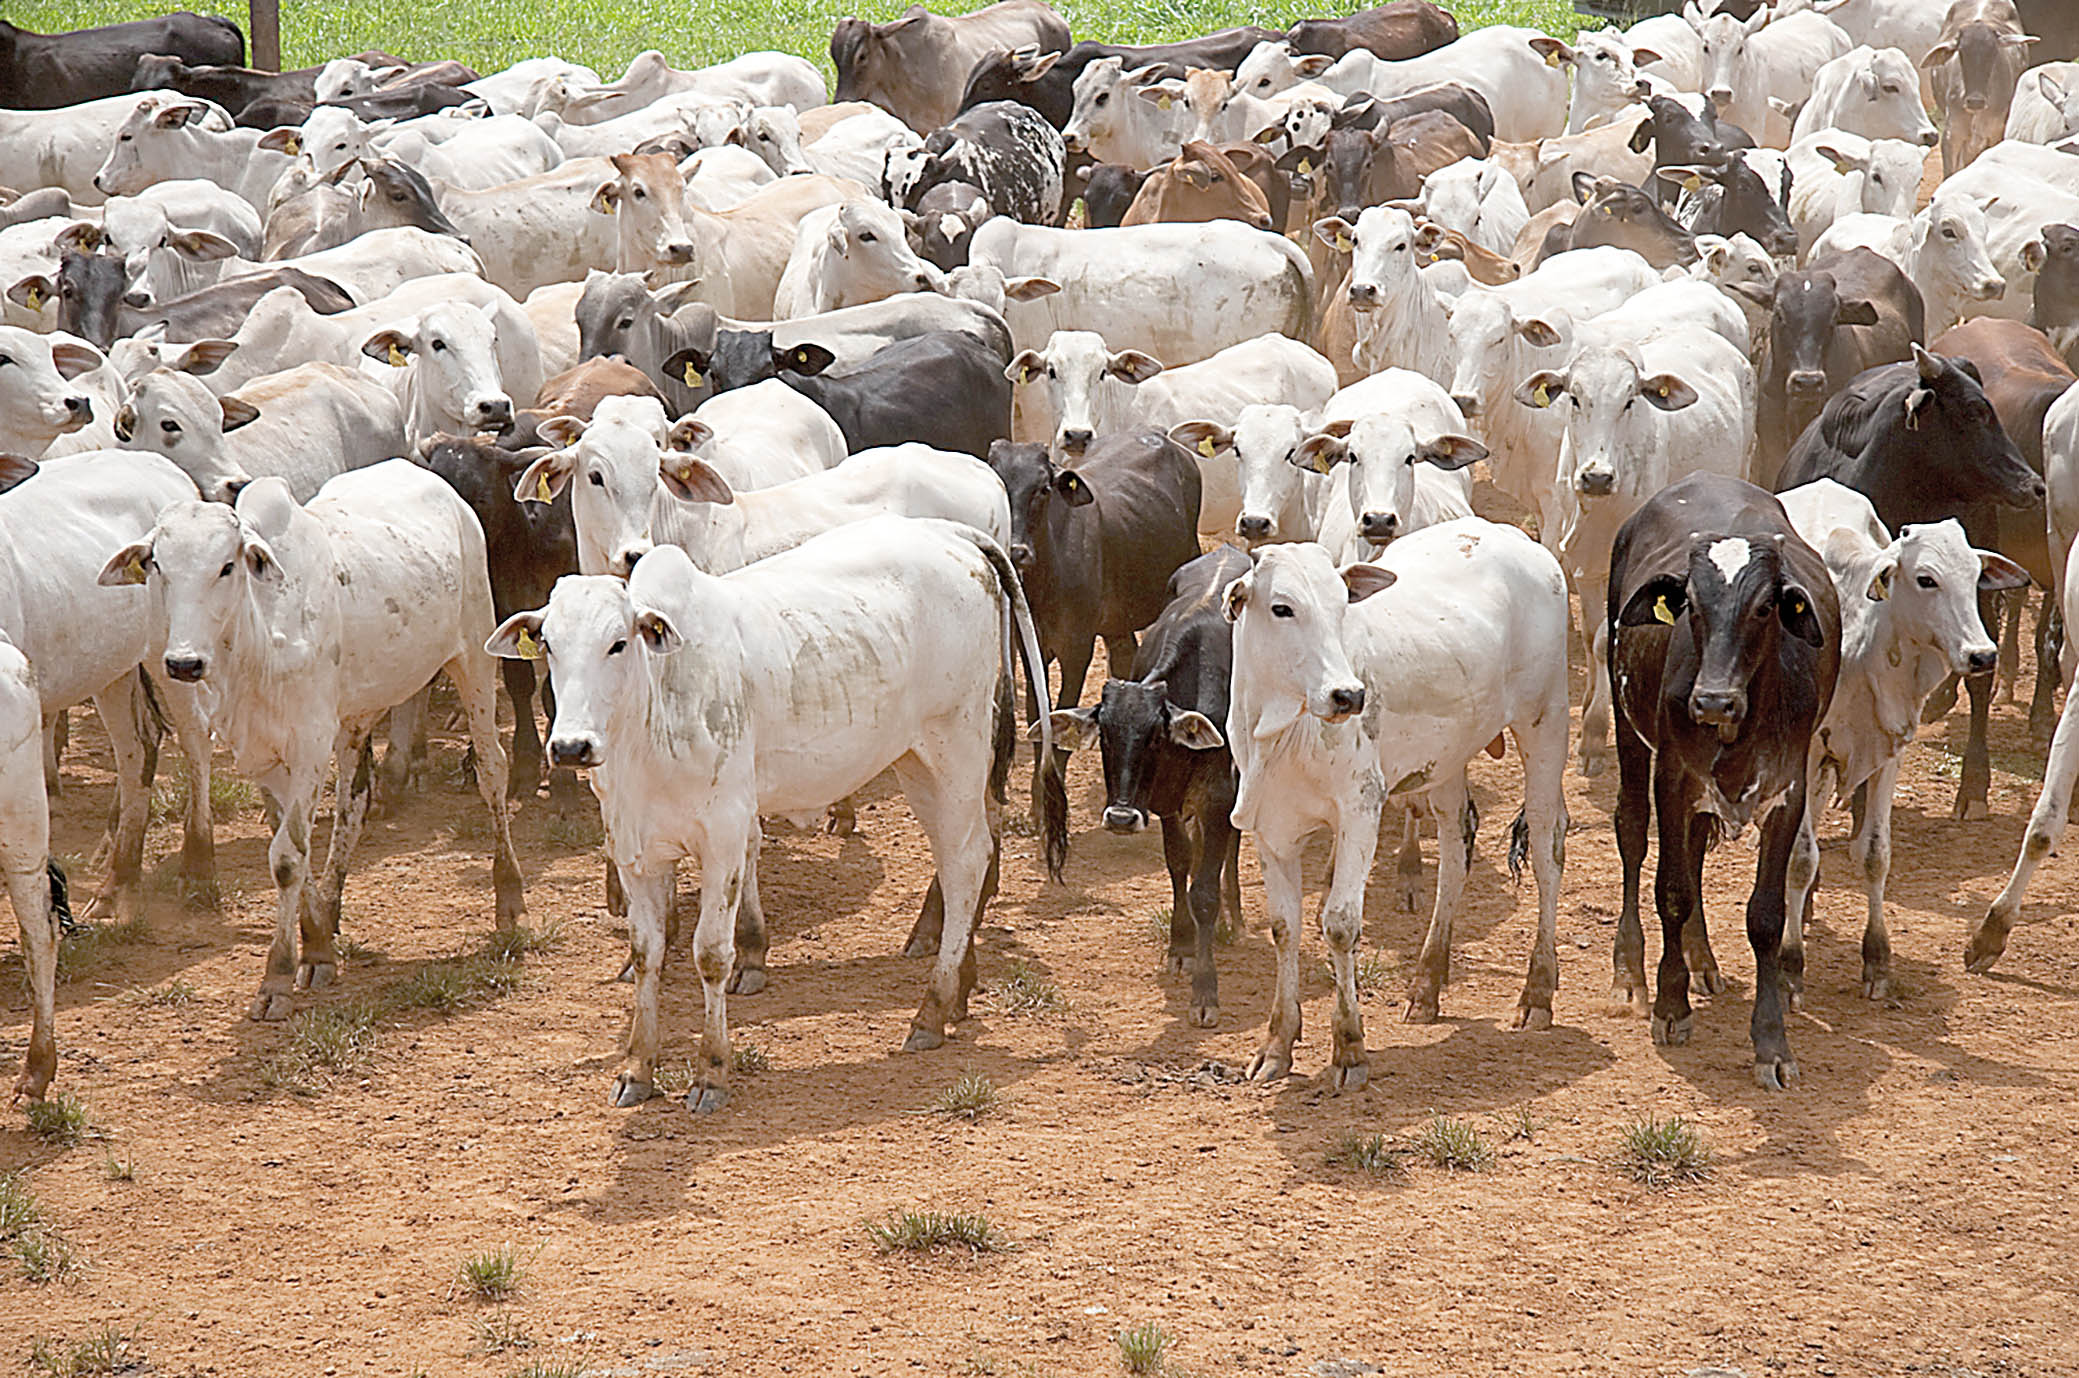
{"x":1307,"y":287}
{"x":1053,"y":819}
{"x":1519,"y":846}
{"x":61,"y":897}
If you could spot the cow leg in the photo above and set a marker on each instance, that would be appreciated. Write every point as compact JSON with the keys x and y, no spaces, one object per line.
{"x":479,"y":696}
{"x":1231,"y":880}
{"x":1279,"y":859}
{"x":1875,"y":856}
{"x":747,"y":976}
{"x":2050,"y":637}
{"x":1976,"y":780}
{"x":527,"y":762}
{"x":649,"y":897}
{"x":2046,"y":827}
{"x":56,"y":728}
{"x":1075,"y":668}
{"x":955,"y":818}
{"x":1433,"y":967}
{"x":29,"y":889}
{"x":133,"y":739}
{"x":1634,"y":813}
{"x":288,"y":858}
{"x":352,"y":793}
{"x":198,"y":851}
{"x":1177,"y":857}
{"x":406,"y":725}
{"x":1696,"y":935}
{"x":1342,"y":923}
{"x":1802,"y":879}
{"x":1682,"y":832}
{"x":1543,"y":748}
{"x":1595,"y":710}
{"x":1407,"y":866}
{"x":930,"y":924}
{"x":1774,"y":1067}
{"x":723,"y":865}
{"x":2013,"y":607}
{"x":1216,"y":839}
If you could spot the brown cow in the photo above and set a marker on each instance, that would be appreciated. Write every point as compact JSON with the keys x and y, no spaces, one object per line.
{"x":1482,"y":264}
{"x":1614,"y":212}
{"x":916,"y":67}
{"x":1396,"y":31}
{"x":1973,"y":68}
{"x":577,"y":392}
{"x":1201,"y":183}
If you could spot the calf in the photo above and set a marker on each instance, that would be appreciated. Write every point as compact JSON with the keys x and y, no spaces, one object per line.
{"x":1279,"y":500}
{"x":916,"y":67}
{"x":34,"y":884}
{"x":1200,"y":183}
{"x":848,"y":255}
{"x":1683,"y":137}
{"x":946,"y":219}
{"x":1874,"y":92}
{"x":44,"y":71}
{"x":331,"y":615}
{"x":1388,"y":163}
{"x":1402,"y":319}
{"x":1382,"y":683}
{"x":1942,"y":250}
{"x":1724,"y":640}
{"x":1732,"y":198}
{"x":1396,"y":30}
{"x":1974,"y":68}
{"x":1922,"y":442}
{"x":39,"y":401}
{"x":1005,"y":149}
{"x":778,"y":711}
{"x":1909,"y":616}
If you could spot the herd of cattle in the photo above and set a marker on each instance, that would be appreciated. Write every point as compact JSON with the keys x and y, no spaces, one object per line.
{"x":784,"y":429}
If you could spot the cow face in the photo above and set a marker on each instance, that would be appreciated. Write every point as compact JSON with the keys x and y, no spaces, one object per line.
{"x":171,"y":413}
{"x":594,"y":643}
{"x":1929,"y":580}
{"x":1381,"y":246}
{"x":1724,"y":41}
{"x":1041,"y":495}
{"x":1964,"y":456}
{"x":404,"y":197}
{"x":454,"y":347}
{"x":1270,"y":68}
{"x":1985,"y":71}
{"x":1087,"y":385}
{"x":1950,"y":254}
{"x":1620,"y":214}
{"x":2057,"y":284}
{"x":37,"y":400}
{"x":647,"y":199}
{"x":610,"y":466}
{"x":1886,"y":92}
{"x":1377,"y":455}
{"x":89,"y":293}
{"x":1677,"y":135}
{"x":1605,"y":404}
{"x":866,"y":256}
{"x":1289,"y":658}
{"x":1806,"y":309}
{"x":1491,"y":343}
{"x":1104,"y":114}
{"x":147,"y":145}
{"x":1276,"y":503}
{"x":1132,"y":723}
{"x":209,"y":568}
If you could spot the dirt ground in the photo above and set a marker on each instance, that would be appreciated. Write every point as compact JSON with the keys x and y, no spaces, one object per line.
{"x":1908,"y":1211}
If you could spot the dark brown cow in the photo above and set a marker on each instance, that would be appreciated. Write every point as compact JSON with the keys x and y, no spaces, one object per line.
{"x":1369,"y":167}
{"x":1725,"y":642}
{"x":44,"y":71}
{"x":1201,"y":183}
{"x":1398,"y":30}
{"x":1618,"y":213}
{"x":916,"y":67}
{"x":1045,"y":80}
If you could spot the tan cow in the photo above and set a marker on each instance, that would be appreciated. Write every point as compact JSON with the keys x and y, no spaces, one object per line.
{"x":1201,"y":183}
{"x":916,"y":67}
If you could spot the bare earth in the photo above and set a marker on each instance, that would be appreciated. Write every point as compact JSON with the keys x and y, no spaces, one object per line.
{"x":1909,"y":1211}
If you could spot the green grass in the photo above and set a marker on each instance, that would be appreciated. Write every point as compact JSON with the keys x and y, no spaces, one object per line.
{"x":493,"y":1275}
{"x":1141,"y":1348}
{"x":83,"y":952}
{"x":1663,"y":1153}
{"x":107,"y":1350}
{"x":1370,"y":1154}
{"x":61,"y":1120}
{"x":229,"y":796}
{"x":45,"y":1255}
{"x":18,"y":1208}
{"x":331,"y":1038}
{"x":749,"y":1059}
{"x":510,"y":945}
{"x":926,"y":1232}
{"x":969,"y":1098}
{"x":118,"y":1169}
{"x":1449,"y":1142}
{"x":1024,"y":990}
{"x":501,"y":1332}
{"x":172,"y":995}
{"x":494,"y":33}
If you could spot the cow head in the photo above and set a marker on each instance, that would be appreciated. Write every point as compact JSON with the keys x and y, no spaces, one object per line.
{"x":610,"y":466}
{"x":1491,"y":344}
{"x":1378,"y":454}
{"x":652,"y":231}
{"x":1042,"y":496}
{"x":1724,"y":42}
{"x":1929,"y":580}
{"x":171,"y":413}
{"x":2055,"y":257}
{"x":1088,"y":386}
{"x":1620,"y":214}
{"x":864,"y":255}
{"x":453,"y":345}
{"x":1133,"y":722}
{"x":1279,"y":497}
{"x":1806,"y":308}
{"x":37,"y":400}
{"x":1890,"y":171}
{"x":1289,"y":658}
{"x":1604,"y":443}
{"x":1988,"y":57}
{"x":1966,"y":458}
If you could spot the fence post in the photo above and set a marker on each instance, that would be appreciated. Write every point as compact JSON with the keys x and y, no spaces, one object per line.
{"x":264,"y":28}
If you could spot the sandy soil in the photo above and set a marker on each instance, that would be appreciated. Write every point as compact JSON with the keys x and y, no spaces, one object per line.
{"x":1909,"y":1211}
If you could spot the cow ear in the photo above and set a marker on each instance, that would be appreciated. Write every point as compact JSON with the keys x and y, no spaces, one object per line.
{"x":205,"y":356}
{"x":657,"y":633}
{"x":1881,"y":573}
{"x":1666,"y":391}
{"x":2034,"y":255}
{"x":607,"y":199}
{"x":1072,"y":727}
{"x":517,"y":638}
{"x":124,"y":423}
{"x":201,"y":245}
{"x":1762,"y":294}
{"x":1320,"y":452}
{"x":1234,"y":597}
{"x":74,"y":357}
{"x":1645,"y":57}
{"x":1997,"y":573}
{"x":1203,"y":438}
{"x":1132,"y":366}
{"x":546,"y":477}
{"x":286,"y":139}
{"x":237,"y":412}
{"x":806,"y":359}
{"x":693,"y":479}
{"x":32,"y":292}
{"x":391,"y":346}
{"x":260,"y":559}
{"x":81,"y":236}
{"x":1641,"y":137}
{"x":1856,"y":311}
{"x":1312,"y":65}
{"x":1937,"y":55}
{"x":1798,"y":618}
{"x":689,"y":433}
{"x":1335,"y":232}
{"x":1583,"y":185}
{"x":1538,"y":332}
{"x":688,"y":366}
{"x":1027,"y":366}
{"x":174,"y":116}
{"x":1365,"y":580}
{"x":1194,"y":731}
{"x":1451,"y":451}
{"x":561,"y":431}
{"x":1029,"y":288}
{"x":128,"y":565}
{"x":1843,"y":162}
{"x":1660,"y":599}
{"x":15,"y":469}
{"x":1540,"y":388}
{"x":1069,"y":484}
{"x":1555,"y":53}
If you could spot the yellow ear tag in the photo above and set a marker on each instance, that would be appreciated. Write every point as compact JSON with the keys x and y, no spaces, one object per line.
{"x":1797,"y":608}
{"x":801,"y":356}
{"x":396,"y":357}
{"x":1660,"y":610}
{"x":1164,"y":103}
{"x":35,"y":300}
{"x":1342,"y":244}
{"x":1552,"y":59}
{"x":693,"y":379}
{"x":1206,"y":447}
{"x":529,"y":648}
{"x":1692,"y":183}
{"x":294,"y":146}
{"x":1541,"y":395}
{"x":135,"y":570}
{"x":1665,"y":389}
{"x":1305,"y":167}
{"x":541,"y":488}
{"x":1024,"y":376}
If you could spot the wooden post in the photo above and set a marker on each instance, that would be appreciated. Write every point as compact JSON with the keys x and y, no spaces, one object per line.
{"x":264,"y":29}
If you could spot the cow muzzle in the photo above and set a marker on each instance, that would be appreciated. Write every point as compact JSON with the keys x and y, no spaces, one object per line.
{"x":1344,"y":701}
{"x":1021,"y":555}
{"x":1122,"y":818}
{"x":1807,"y":381}
{"x":78,"y":412}
{"x":492,"y":414}
{"x":1724,"y":709}
{"x":1379,"y":526}
{"x":1721,"y":96}
{"x":573,"y":751}
{"x":1991,"y":289}
{"x":679,"y":252}
{"x":186,"y":668}
{"x":1595,"y":483}
{"x":625,"y":558}
{"x":1252,"y":528}
{"x":1980,"y":660}
{"x":1364,"y":296}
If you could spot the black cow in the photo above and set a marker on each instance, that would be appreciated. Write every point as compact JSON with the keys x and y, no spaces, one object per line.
{"x":1731,"y":198}
{"x":529,"y":545}
{"x":1922,"y":442}
{"x":947,"y":217}
{"x":1396,"y":31}
{"x":1160,"y":736}
{"x":945,"y":389}
{"x":1007,"y":151}
{"x":1724,"y":645}
{"x":1108,"y":192}
{"x":1046,"y":81}
{"x":234,"y":88}
{"x":1461,"y":103}
{"x":45,"y":71}
{"x":1679,"y":137}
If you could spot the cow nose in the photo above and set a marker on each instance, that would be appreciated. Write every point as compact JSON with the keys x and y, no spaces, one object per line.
{"x":1364,"y":295}
{"x":1807,"y":380}
{"x":80,"y":407}
{"x":678,"y":251}
{"x":1075,"y":441}
{"x":1930,"y":139}
{"x":1710,"y":153}
{"x":1970,"y":103}
{"x":1595,"y":483}
{"x":1717,"y":707}
{"x":137,"y":301}
{"x":185,"y":668}
{"x":921,"y":280}
{"x":1346,"y":701}
{"x":1252,"y":528}
{"x":1783,"y":243}
{"x":1720,"y":95}
{"x":1119,"y":818}
{"x":1350,"y":213}
{"x":1073,"y":143}
{"x":1380,"y":526}
{"x":626,"y":557}
{"x":1992,"y":289}
{"x":1468,"y":404}
{"x":1983,"y":662}
{"x":495,"y":414}
{"x":573,"y":751}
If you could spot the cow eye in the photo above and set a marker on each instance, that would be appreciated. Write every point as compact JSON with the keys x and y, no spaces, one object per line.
{"x":170,"y":427}
{"x":617,"y":647}
{"x":1281,"y":610}
{"x":1928,"y":581}
{"x":867,"y":237}
{"x":5,"y":361}
{"x":598,"y":479}
{"x":1102,"y":99}
{"x":439,"y":346}
{"x":126,"y":138}
{"x":225,"y":572}
{"x":1949,"y":232}
{"x":1891,"y":90}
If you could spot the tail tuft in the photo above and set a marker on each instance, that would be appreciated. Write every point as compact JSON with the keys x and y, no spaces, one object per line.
{"x":61,"y":898}
{"x":1519,"y":847}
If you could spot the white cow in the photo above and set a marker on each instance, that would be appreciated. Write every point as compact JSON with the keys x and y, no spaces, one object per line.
{"x":1244,"y":282}
{"x":1873,"y":92}
{"x":1527,"y":97}
{"x":1635,"y":417}
{"x":1478,"y":198}
{"x":1605,"y":67}
{"x":479,"y":154}
{"x":858,"y":146}
{"x":1678,"y":51}
{"x":331,"y":614}
{"x":1401,"y":445}
{"x":847,"y":255}
{"x":459,"y":368}
{"x":67,"y":146}
{"x":25,"y":846}
{"x":381,"y":261}
{"x":1909,"y":620}
{"x":1912,"y":26}
{"x":305,"y":425}
{"x":760,"y":78}
{"x":1403,"y":320}
{"x":1280,"y":501}
{"x":161,"y":140}
{"x":1834,"y":173}
{"x":2021,"y":188}
{"x":520,"y":88}
{"x":1456,"y":635}
{"x":727,"y":529}
{"x":2046,"y":104}
{"x":39,"y":399}
{"x":1943,"y":250}
{"x":1749,"y":64}
{"x":876,"y":645}
{"x":542,"y":230}
{"x":1112,"y":124}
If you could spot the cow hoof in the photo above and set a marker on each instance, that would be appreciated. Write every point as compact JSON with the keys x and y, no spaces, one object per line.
{"x":1970,"y":811}
{"x":316,"y":975}
{"x":1422,"y":1009}
{"x":626,"y":975}
{"x":1270,"y":1064}
{"x":629,"y":1093}
{"x":1594,"y":764}
{"x":270,"y":1008}
{"x":1351,"y":1078}
{"x":747,"y":981}
{"x":1708,"y":980}
{"x":923,"y":1040}
{"x":1205,"y":1016}
{"x":1533,"y":1018}
{"x":1628,"y":1000}
{"x":706,"y":1100}
{"x":1671,"y":1033}
{"x":1794,"y":999}
{"x":1411,"y":899}
{"x":1983,"y":950}
{"x":1776,"y":1074}
{"x":1876,"y":988}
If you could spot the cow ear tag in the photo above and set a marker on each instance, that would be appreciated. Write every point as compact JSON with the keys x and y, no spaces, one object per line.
{"x":1342,"y":244}
{"x":541,"y":489}
{"x":692,"y":376}
{"x":1206,"y":447}
{"x":396,"y":357}
{"x":1552,"y":59}
{"x":528,"y":647}
{"x":1692,"y":183}
{"x":1164,"y":103}
{"x":293,"y":145}
{"x":135,"y":570}
{"x":1660,"y":610}
{"x":1541,"y":395}
{"x":34,"y":300}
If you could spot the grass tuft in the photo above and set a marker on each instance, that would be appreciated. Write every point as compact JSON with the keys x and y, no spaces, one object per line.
{"x":1367,"y":1153}
{"x":84,"y":950}
{"x":549,"y":1368}
{"x":173,"y":995}
{"x":45,"y":1255}
{"x":969,"y":1098}
{"x":1141,"y":1348}
{"x":1663,"y":1153}
{"x":908,"y":1231}
{"x":333,"y":1038}
{"x":495,"y":1334}
{"x":491,"y":1276}
{"x":61,"y":1120}
{"x":1449,"y":1142}
{"x":511,"y":944}
{"x":1024,"y":990}
{"x":18,"y":1208}
{"x":107,"y":1350}
{"x":749,"y":1059}
{"x":229,"y":796}
{"x":116,"y":1169}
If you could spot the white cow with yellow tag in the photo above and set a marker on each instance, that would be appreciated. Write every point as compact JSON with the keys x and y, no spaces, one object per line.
{"x":1395,"y":449}
{"x":459,"y":368}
